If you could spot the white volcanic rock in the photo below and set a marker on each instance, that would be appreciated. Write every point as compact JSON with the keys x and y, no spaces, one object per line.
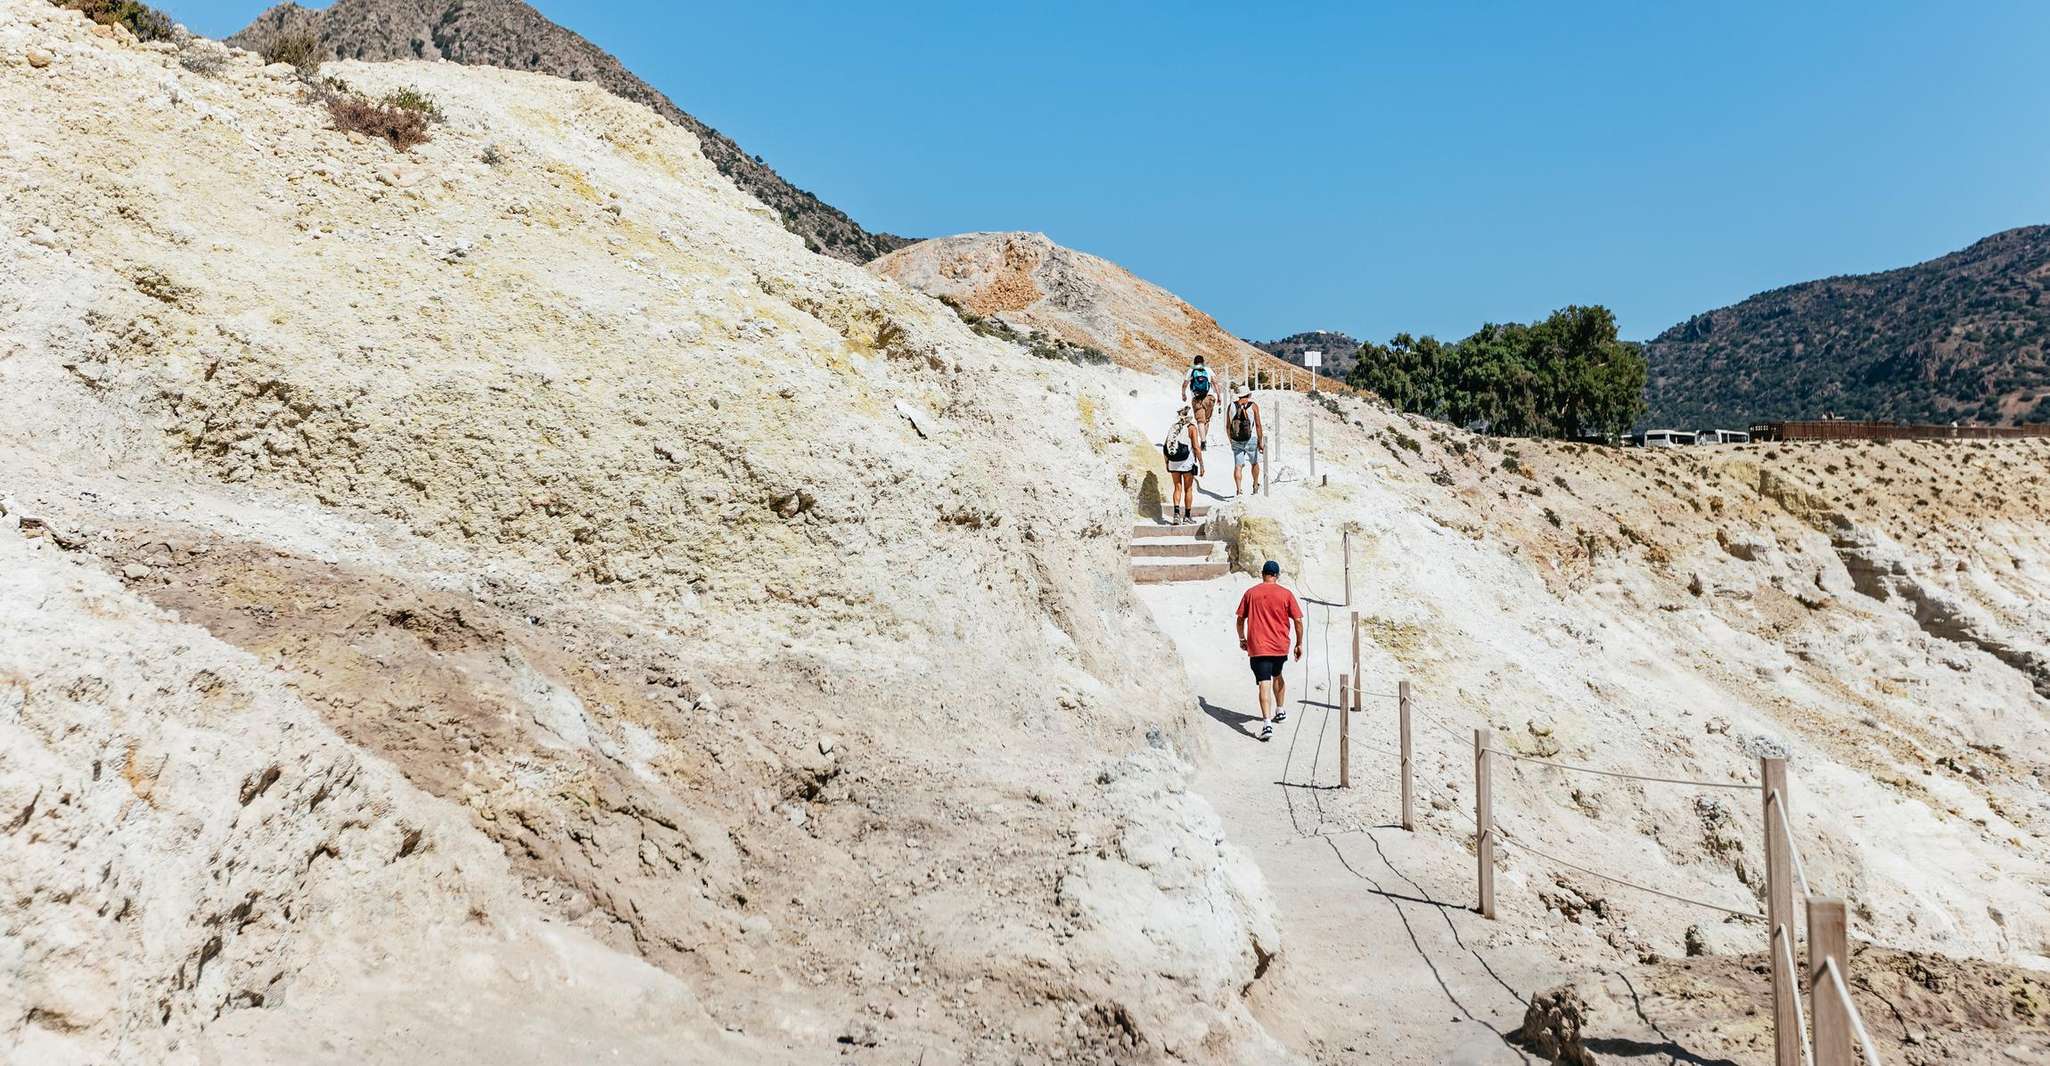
{"x":499,"y":542}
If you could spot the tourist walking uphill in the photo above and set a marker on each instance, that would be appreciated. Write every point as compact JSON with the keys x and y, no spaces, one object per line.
{"x":1248,"y":438}
{"x":1199,"y":392}
{"x":1184,"y":455}
{"x":1265,"y":615}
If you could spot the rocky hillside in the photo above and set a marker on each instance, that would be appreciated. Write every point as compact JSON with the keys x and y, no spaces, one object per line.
{"x":1962,"y":338}
{"x":512,"y":35}
{"x":1033,"y":284}
{"x":535,"y":611}
{"x":1878,"y":612}
{"x":1340,"y":350}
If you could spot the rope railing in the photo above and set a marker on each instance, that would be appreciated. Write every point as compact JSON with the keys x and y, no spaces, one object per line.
{"x":1782,"y":945}
{"x":1433,"y":719}
{"x":1741,"y":785}
{"x":1779,"y":810}
{"x":1843,"y":992}
{"x":1822,"y":1038}
{"x":1752,"y":916}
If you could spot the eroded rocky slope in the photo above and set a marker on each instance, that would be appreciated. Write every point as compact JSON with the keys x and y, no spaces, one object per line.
{"x":512,"y":35}
{"x":1030,"y":282}
{"x":535,"y":611}
{"x":1875,"y":610}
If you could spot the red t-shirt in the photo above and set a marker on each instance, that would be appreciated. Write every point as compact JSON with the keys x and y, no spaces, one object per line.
{"x":1268,"y":608}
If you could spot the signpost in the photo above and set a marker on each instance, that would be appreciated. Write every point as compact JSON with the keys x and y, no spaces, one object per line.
{"x":1313,"y":360}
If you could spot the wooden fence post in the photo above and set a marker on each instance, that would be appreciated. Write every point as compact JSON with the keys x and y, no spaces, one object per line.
{"x":1311,"y":418}
{"x":1271,"y":456}
{"x":1829,"y":940}
{"x":1779,"y":914}
{"x":1345,"y":538}
{"x":1359,"y":680}
{"x":1408,"y":797}
{"x":1344,"y":732}
{"x":1263,"y":483}
{"x":1484,"y":817}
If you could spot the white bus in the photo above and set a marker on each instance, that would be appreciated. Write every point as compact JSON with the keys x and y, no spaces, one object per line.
{"x":1664,"y":438}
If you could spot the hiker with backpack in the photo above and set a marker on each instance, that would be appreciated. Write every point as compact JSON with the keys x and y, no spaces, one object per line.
{"x":1198,"y":391}
{"x":1247,"y":435}
{"x":1184,"y":455}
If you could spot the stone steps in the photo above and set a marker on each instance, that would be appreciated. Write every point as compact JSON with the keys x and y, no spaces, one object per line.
{"x":1162,"y":553}
{"x":1155,"y":571}
{"x":1172,"y":548}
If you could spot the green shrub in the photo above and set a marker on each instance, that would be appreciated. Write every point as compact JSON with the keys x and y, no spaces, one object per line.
{"x":407,"y":98}
{"x":142,"y":20}
{"x":299,"y":49}
{"x":399,"y":127}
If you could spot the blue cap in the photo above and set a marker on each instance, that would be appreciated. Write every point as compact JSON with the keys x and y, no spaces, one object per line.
{"x":1271,"y":569}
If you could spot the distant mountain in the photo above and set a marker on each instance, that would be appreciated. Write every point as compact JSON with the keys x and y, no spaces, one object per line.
{"x":1339,"y":350}
{"x":512,"y":35}
{"x":1961,"y":338}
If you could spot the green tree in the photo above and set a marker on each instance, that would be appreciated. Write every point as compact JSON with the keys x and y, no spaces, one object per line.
{"x":1407,"y":372}
{"x":1564,"y":376}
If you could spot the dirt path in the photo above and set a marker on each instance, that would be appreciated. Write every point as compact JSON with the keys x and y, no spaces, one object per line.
{"x":1386,"y":962}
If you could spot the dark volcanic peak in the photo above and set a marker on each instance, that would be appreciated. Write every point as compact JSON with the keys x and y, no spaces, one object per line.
{"x":1961,"y":338}
{"x":1339,"y":349}
{"x":512,"y":35}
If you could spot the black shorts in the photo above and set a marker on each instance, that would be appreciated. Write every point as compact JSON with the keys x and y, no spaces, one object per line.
{"x":1268,"y":667}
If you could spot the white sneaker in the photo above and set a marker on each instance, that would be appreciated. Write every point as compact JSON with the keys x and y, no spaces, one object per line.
{"x":1266,"y":731}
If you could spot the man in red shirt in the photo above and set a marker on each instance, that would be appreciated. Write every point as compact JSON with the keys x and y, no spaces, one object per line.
{"x":1265,"y":612}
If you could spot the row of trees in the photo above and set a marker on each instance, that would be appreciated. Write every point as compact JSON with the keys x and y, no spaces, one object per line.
{"x":1565,"y":376}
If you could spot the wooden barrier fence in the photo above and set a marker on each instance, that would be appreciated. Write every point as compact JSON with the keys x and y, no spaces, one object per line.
{"x":1847,"y":429}
{"x":1835,"y":1034}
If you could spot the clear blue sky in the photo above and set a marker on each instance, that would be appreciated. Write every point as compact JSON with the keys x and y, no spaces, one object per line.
{"x":1375,"y":168}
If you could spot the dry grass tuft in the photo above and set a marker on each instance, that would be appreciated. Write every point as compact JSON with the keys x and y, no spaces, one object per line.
{"x":401,"y":128}
{"x":300,"y":49}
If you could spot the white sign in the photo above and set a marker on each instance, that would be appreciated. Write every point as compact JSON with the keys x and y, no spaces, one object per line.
{"x":1313,"y":360}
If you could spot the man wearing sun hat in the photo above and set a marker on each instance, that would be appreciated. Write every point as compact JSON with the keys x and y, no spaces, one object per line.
{"x":1247,"y":435}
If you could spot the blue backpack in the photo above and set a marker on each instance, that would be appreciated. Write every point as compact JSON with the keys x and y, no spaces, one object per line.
{"x":1199,"y":382}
